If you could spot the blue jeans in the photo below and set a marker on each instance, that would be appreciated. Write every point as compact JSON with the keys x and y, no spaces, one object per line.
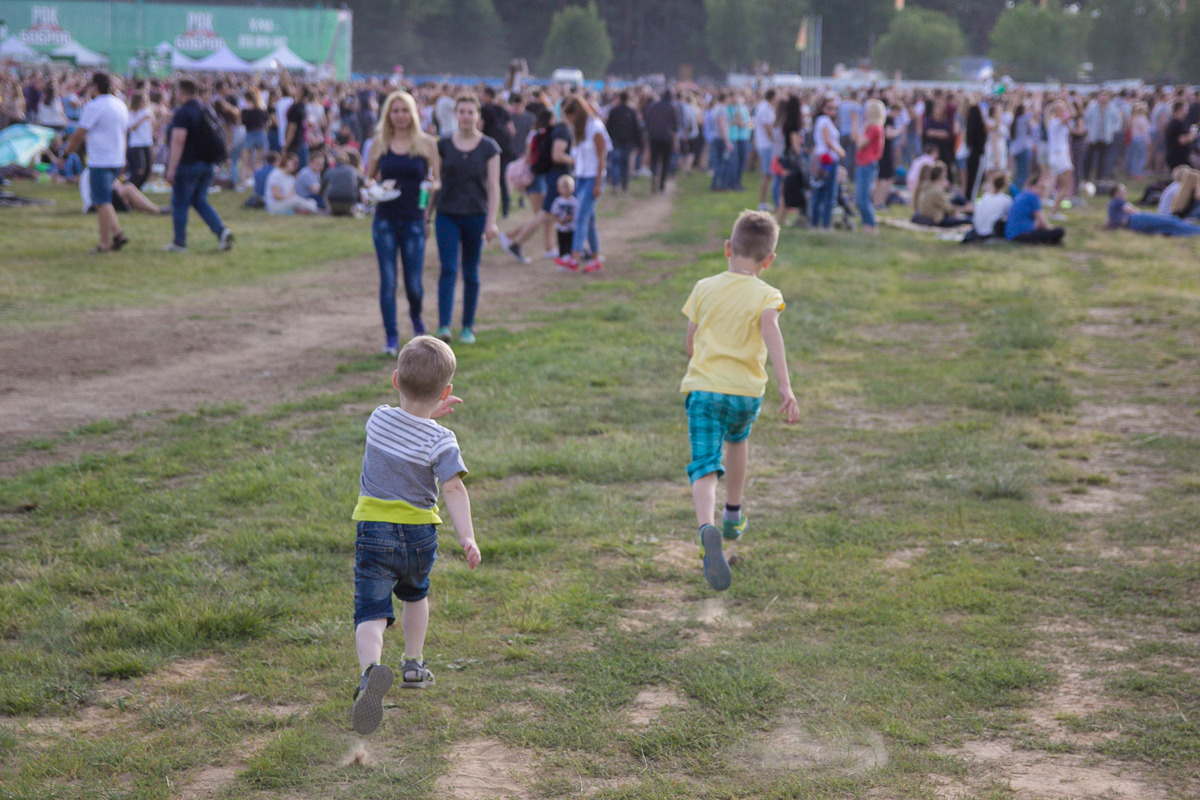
{"x":1135,"y":156}
{"x":191,"y":189}
{"x":1166,"y":224}
{"x":455,"y":231}
{"x":864,"y":184}
{"x":742,"y":149}
{"x":1021,"y":173}
{"x":391,"y":559}
{"x":585,"y":217}
{"x":618,"y":168}
{"x":406,"y":239}
{"x":824,"y":195}
{"x":716,"y":154}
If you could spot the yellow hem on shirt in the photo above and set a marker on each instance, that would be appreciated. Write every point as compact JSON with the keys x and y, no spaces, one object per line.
{"x":372,"y":509}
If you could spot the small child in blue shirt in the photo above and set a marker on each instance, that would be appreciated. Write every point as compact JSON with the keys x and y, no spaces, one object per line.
{"x":563,"y":210}
{"x":407,"y":457}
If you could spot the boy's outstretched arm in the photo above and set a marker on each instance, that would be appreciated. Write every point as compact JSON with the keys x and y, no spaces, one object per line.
{"x":773,"y":339}
{"x":459,"y":506}
{"x":690,"y":339}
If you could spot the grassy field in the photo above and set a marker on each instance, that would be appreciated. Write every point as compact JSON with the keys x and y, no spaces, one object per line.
{"x":971,"y":570}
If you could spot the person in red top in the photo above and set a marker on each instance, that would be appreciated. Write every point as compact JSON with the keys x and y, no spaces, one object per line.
{"x":868,"y":141}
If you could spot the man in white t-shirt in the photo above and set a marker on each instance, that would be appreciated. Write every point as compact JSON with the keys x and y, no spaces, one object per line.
{"x":764,"y":122}
{"x":104,"y":125}
{"x":443,"y":112}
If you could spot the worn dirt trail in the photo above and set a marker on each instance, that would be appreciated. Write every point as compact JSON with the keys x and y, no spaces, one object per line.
{"x":255,"y":344}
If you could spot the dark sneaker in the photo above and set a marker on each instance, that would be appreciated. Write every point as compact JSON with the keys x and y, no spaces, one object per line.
{"x":734,"y":530}
{"x":716,"y":568}
{"x":414,"y":675}
{"x":367,"y":712}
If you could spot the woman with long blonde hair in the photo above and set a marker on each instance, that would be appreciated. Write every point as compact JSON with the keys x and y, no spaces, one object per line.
{"x":869,"y":142}
{"x":402,"y":153}
{"x":1187,"y":199}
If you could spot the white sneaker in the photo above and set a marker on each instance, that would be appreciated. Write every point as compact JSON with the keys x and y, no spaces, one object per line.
{"x":1057,"y":217}
{"x":550,"y":254}
{"x":174,"y":248}
{"x":226,"y":239}
{"x":764,"y":206}
{"x":505,"y":241}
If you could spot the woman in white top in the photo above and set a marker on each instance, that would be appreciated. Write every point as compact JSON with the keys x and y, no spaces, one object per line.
{"x":827,"y":152}
{"x":51,"y":113}
{"x":1058,"y":138}
{"x":141,"y":138}
{"x":590,"y":152}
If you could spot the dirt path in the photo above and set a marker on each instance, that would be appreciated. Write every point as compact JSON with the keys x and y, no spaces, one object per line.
{"x":255,"y":344}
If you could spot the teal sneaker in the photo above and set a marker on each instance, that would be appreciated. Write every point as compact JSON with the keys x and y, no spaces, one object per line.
{"x":733,"y":530}
{"x":716,"y":568}
{"x":444,"y":334}
{"x":467,"y":336}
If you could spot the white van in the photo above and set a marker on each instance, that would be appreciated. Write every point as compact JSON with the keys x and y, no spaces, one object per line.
{"x":569,"y":75}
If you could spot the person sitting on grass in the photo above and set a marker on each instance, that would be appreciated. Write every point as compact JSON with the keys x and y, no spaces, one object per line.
{"x":281,"y":197}
{"x":991,"y":211}
{"x":733,"y":325}
{"x":259,"y":199}
{"x":1123,"y":214}
{"x":125,"y":197}
{"x":341,"y":183}
{"x":407,"y":457}
{"x":1027,"y":220}
{"x":933,"y":205}
{"x":308,"y":179}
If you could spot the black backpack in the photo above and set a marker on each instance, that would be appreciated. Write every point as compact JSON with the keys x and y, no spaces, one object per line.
{"x":210,"y":140}
{"x":543,"y":148}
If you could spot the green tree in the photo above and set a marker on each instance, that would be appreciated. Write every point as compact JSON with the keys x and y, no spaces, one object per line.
{"x":919,"y":42}
{"x":1187,"y":54}
{"x":1036,"y":44}
{"x":578,"y":37}
{"x":778,"y":22}
{"x":731,"y":33}
{"x":849,"y":29}
{"x":1129,"y":38}
{"x":464,"y":36}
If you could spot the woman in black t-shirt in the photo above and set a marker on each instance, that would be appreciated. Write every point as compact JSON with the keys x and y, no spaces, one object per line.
{"x":254,"y":118}
{"x":403,"y":153}
{"x":467,"y":206}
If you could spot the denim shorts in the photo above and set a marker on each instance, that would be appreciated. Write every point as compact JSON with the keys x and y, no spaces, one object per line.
{"x":100,"y":181}
{"x":391,"y":559}
{"x":714,"y":418}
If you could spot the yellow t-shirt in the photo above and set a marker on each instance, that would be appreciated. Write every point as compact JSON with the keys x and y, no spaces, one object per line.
{"x":728,"y":353}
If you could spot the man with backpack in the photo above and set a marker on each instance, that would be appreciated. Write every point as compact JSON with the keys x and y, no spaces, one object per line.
{"x":197,"y":143}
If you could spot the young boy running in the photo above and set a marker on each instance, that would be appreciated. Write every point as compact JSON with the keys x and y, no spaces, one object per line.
{"x":407,"y":456}
{"x":733,"y":324}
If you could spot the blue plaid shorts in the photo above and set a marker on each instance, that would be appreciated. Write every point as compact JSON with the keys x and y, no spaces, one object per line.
{"x":715,"y":418}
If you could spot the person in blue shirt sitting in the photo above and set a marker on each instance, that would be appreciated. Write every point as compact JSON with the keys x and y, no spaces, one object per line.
{"x":1026,"y":220}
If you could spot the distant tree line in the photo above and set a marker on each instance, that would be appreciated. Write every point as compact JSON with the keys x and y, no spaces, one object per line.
{"x":1027,"y":39}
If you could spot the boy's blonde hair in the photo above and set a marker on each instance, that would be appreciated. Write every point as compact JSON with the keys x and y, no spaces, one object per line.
{"x":754,"y":236}
{"x":424,"y":368}
{"x":569,"y":183}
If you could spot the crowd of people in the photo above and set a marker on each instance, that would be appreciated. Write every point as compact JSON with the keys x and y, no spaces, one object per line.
{"x":1009,"y":163}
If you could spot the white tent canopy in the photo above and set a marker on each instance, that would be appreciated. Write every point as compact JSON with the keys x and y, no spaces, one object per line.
{"x":14,"y":48}
{"x":223,"y":60}
{"x":82,"y":56}
{"x":282,"y":56}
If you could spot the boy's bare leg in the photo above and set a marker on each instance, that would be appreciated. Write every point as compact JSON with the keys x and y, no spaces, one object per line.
{"x":415,"y":621}
{"x":704,"y":498}
{"x":736,"y":456}
{"x":368,"y":641}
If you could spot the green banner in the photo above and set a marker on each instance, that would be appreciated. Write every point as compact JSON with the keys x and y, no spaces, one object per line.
{"x":132,"y":34}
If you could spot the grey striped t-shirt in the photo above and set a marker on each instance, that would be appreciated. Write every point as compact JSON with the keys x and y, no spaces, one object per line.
{"x":406,"y":459}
